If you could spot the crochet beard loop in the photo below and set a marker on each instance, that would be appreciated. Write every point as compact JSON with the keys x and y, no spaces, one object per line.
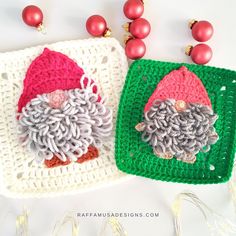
{"x":64,"y":127}
{"x":180,"y":133}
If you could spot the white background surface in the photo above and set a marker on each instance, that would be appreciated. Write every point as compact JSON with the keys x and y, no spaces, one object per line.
{"x":65,"y":19}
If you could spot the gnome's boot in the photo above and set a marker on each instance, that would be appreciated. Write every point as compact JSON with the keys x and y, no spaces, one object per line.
{"x":90,"y":155}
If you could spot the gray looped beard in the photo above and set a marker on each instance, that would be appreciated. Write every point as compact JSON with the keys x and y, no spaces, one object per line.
{"x":66,"y":132}
{"x":179,"y":133}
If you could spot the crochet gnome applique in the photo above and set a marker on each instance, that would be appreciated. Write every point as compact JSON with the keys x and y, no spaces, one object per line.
{"x":61,"y":116}
{"x":178,"y":118}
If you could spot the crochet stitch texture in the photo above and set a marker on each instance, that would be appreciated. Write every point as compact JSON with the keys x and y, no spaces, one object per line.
{"x":136,"y":157}
{"x":20,"y":176}
{"x":51,"y":71}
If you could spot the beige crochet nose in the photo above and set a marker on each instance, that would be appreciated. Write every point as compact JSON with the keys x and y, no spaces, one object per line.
{"x":180,"y":105}
{"x":57,"y":98}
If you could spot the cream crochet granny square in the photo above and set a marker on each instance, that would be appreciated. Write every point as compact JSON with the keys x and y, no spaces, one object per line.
{"x":103,"y":60}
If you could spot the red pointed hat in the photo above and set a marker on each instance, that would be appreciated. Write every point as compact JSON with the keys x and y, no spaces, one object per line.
{"x":51,"y":71}
{"x":180,"y":84}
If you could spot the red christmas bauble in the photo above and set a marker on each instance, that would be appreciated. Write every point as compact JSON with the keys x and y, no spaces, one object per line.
{"x":135,"y":49}
{"x":133,"y":9}
{"x":96,"y":25}
{"x":201,"y":54}
{"x":202,"y":31}
{"x":32,"y":16}
{"x":140,"y":28}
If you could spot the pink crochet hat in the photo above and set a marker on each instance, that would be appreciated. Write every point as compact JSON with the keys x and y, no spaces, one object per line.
{"x":180,"y":84}
{"x":49,"y":72}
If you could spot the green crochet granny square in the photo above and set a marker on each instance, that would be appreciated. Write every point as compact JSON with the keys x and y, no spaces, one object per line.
{"x":136,"y":157}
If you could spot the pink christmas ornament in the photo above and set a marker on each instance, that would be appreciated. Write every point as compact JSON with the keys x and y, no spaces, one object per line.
{"x":202,"y":31}
{"x":200,"y":54}
{"x":135,"y":49}
{"x":139,"y":28}
{"x":133,"y":9}
{"x":96,"y":25}
{"x":33,"y":16}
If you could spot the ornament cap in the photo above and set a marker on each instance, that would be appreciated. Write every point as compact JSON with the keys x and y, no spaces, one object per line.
{"x":107,"y":33}
{"x":188,"y":50}
{"x":127,"y":38}
{"x":41,"y":28}
{"x":126,"y":26}
{"x":191,"y":23}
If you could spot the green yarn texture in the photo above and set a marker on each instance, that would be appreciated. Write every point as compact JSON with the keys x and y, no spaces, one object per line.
{"x":136,"y":157}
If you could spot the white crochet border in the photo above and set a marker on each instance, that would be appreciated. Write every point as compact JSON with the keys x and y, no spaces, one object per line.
{"x":104,"y":61}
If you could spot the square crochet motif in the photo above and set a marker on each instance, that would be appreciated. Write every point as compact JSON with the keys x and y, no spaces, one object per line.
{"x":136,"y":157}
{"x":102,"y":59}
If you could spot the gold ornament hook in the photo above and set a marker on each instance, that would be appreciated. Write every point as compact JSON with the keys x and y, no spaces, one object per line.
{"x":191,"y":23}
{"x":107,"y":33}
{"x":188,"y":50}
{"x":41,"y":28}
